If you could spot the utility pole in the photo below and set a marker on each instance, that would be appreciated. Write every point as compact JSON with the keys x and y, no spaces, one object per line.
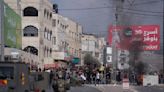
{"x":1,"y":30}
{"x":118,"y":21}
{"x":163,"y":30}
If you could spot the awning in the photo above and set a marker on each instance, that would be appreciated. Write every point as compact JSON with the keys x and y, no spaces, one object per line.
{"x":51,"y":66}
{"x":75,"y":60}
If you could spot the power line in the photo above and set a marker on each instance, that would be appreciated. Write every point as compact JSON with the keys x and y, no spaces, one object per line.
{"x":104,"y":7}
{"x":147,"y":2}
{"x":137,"y":13}
{"x":143,"y":14}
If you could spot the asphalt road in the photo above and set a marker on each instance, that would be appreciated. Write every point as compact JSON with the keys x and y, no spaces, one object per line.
{"x":79,"y":89}
{"x":119,"y":88}
{"x":149,"y":89}
{"x":83,"y":89}
{"x":111,"y":88}
{"x":114,"y":88}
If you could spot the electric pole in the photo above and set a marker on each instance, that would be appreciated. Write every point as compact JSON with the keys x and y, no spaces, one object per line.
{"x":163,"y":30}
{"x":118,"y":21}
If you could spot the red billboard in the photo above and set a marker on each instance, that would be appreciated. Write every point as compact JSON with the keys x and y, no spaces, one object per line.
{"x":123,"y":36}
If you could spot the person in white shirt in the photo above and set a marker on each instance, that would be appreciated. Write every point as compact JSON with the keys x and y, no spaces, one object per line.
{"x":98,"y":77}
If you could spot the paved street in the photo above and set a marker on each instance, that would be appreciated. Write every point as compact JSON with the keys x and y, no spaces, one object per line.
{"x":149,"y":89}
{"x":84,"y":89}
{"x":118,"y":88}
{"x":80,"y":89}
{"x":111,"y":88}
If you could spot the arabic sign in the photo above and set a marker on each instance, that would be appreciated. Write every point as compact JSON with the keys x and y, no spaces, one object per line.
{"x":148,"y":34}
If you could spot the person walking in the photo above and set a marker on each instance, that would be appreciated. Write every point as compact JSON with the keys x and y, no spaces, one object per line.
{"x":51,"y":78}
{"x":55,"y":84}
{"x":97,"y":77}
{"x":94,"y":77}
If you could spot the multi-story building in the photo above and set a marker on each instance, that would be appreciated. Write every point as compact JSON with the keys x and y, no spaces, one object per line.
{"x":59,"y":38}
{"x":37,"y":28}
{"x":101,"y":47}
{"x":67,"y":40}
{"x":54,"y":40}
{"x":74,"y":33}
{"x":13,"y":33}
{"x":90,"y":44}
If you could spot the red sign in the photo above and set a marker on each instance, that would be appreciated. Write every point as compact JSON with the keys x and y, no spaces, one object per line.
{"x":123,"y":36}
{"x":50,"y":66}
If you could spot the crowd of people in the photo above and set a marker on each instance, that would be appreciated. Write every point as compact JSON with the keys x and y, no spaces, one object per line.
{"x":88,"y":75}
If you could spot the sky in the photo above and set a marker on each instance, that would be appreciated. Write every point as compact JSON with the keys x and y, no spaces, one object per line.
{"x":98,"y":20}
{"x":96,"y":16}
{"x":95,"y":21}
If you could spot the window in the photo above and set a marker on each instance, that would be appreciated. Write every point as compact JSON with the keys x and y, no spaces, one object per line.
{"x":47,"y":52}
{"x":50,"y":15}
{"x":51,"y":52}
{"x":45,"y":11}
{"x":50,"y":34}
{"x":30,"y":11}
{"x":45,"y":33}
{"x":54,"y":22}
{"x":47,"y":14}
{"x":58,"y":21}
{"x":31,"y":49}
{"x":30,"y":31}
{"x":54,"y":40}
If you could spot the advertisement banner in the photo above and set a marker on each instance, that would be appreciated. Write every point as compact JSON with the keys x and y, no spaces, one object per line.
{"x":12,"y":28}
{"x":123,"y":36}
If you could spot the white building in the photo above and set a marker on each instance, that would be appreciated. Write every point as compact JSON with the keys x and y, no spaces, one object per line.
{"x":37,"y":28}
{"x":93,"y":45}
{"x":67,"y":40}
{"x":101,"y":47}
{"x":54,"y":40}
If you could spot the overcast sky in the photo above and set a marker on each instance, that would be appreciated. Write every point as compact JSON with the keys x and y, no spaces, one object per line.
{"x":95,"y":21}
{"x":96,"y":15}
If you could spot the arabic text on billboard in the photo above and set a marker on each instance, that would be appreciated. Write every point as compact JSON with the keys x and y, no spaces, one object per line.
{"x":12,"y":28}
{"x":148,"y":34}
